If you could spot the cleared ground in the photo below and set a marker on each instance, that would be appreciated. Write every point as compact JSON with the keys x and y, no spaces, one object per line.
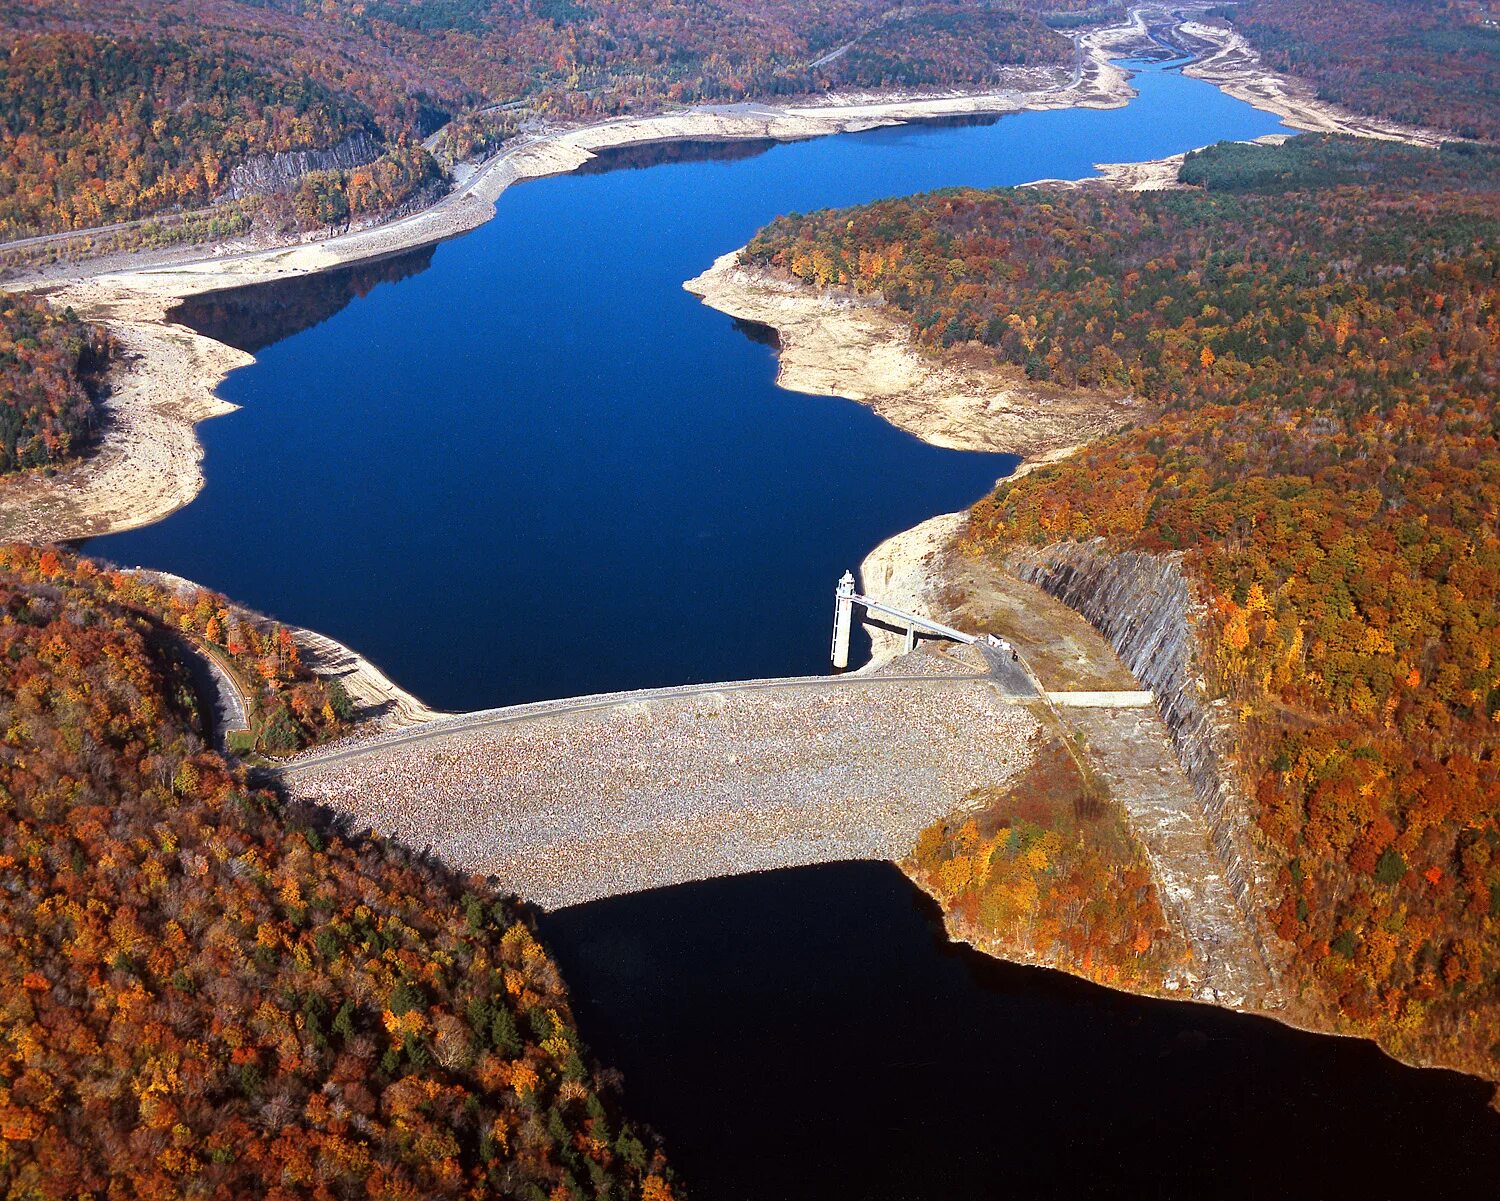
{"x":1066,"y":653}
{"x":1127,"y":745}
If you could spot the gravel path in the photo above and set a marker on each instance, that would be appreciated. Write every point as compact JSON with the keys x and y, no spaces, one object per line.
{"x":641,"y":794}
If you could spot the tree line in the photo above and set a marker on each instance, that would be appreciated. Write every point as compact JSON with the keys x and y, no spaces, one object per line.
{"x":211,"y":991}
{"x":51,"y":369}
{"x":1432,"y":63}
{"x":111,"y":112}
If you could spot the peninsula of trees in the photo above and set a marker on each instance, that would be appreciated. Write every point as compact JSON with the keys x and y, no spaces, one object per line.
{"x":1048,"y":870}
{"x":1316,"y":329}
{"x":210,"y":992}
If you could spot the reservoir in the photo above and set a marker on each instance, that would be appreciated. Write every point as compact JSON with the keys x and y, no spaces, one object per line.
{"x":526,"y":464}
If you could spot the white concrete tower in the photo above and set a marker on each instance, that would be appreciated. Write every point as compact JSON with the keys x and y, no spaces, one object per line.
{"x":843,"y":618}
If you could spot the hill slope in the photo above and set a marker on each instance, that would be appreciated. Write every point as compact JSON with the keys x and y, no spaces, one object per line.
{"x":1316,"y":327}
{"x":208,"y":991}
{"x":50,"y":368}
{"x":1431,"y":63}
{"x":111,"y":111}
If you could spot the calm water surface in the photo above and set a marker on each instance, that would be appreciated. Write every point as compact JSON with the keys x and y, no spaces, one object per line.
{"x":811,"y":1034}
{"x":536,"y":467}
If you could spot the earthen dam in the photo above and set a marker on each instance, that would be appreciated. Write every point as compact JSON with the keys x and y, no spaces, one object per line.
{"x":570,"y":801}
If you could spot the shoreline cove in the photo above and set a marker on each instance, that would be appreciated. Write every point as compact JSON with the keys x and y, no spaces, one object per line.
{"x":838,"y":344}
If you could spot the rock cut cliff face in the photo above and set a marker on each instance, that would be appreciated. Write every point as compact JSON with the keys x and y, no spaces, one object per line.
{"x":1142,"y":603}
{"x":269,"y":173}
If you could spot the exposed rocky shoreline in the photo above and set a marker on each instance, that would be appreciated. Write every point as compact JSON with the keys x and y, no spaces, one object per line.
{"x":149,"y":463}
{"x":835,"y":343}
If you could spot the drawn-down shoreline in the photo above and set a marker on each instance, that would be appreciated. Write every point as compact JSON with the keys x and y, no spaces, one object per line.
{"x":149,"y":462}
{"x":838,"y":344}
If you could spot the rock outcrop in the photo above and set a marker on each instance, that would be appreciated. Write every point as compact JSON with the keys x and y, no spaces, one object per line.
{"x":267,"y":173}
{"x":1142,"y":603}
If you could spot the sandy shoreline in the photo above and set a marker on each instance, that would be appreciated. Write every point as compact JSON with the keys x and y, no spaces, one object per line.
{"x":1231,"y":64}
{"x":839,"y":344}
{"x":835,"y":343}
{"x":149,"y":462}
{"x":905,"y":571}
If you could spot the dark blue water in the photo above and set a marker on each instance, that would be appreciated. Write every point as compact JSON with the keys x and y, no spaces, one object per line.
{"x":537,"y":467}
{"x":812,"y":1034}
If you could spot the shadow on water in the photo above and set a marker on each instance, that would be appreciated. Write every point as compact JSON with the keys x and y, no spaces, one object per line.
{"x":957,"y":121}
{"x":701,"y":150}
{"x":252,"y":318}
{"x":683,"y":150}
{"x":812,"y":1034}
{"x":759,"y":333}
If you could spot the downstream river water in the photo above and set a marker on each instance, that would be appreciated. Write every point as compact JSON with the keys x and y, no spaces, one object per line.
{"x":812,"y":1035}
{"x":526,"y":464}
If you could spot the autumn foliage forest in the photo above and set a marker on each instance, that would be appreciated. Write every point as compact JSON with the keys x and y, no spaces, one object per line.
{"x":111,"y":110}
{"x":51,"y":368}
{"x":1431,"y":63}
{"x":1047,"y":871}
{"x":207,"y":991}
{"x":292,"y":707}
{"x":1317,"y":327}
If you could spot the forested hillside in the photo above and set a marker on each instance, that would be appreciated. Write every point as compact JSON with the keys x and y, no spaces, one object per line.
{"x":945,"y":45}
{"x":1317,"y":327}
{"x":1434,"y":63}
{"x":291,"y":708}
{"x":97,"y":129}
{"x":111,"y":110}
{"x":209,"y":992}
{"x":50,"y":365}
